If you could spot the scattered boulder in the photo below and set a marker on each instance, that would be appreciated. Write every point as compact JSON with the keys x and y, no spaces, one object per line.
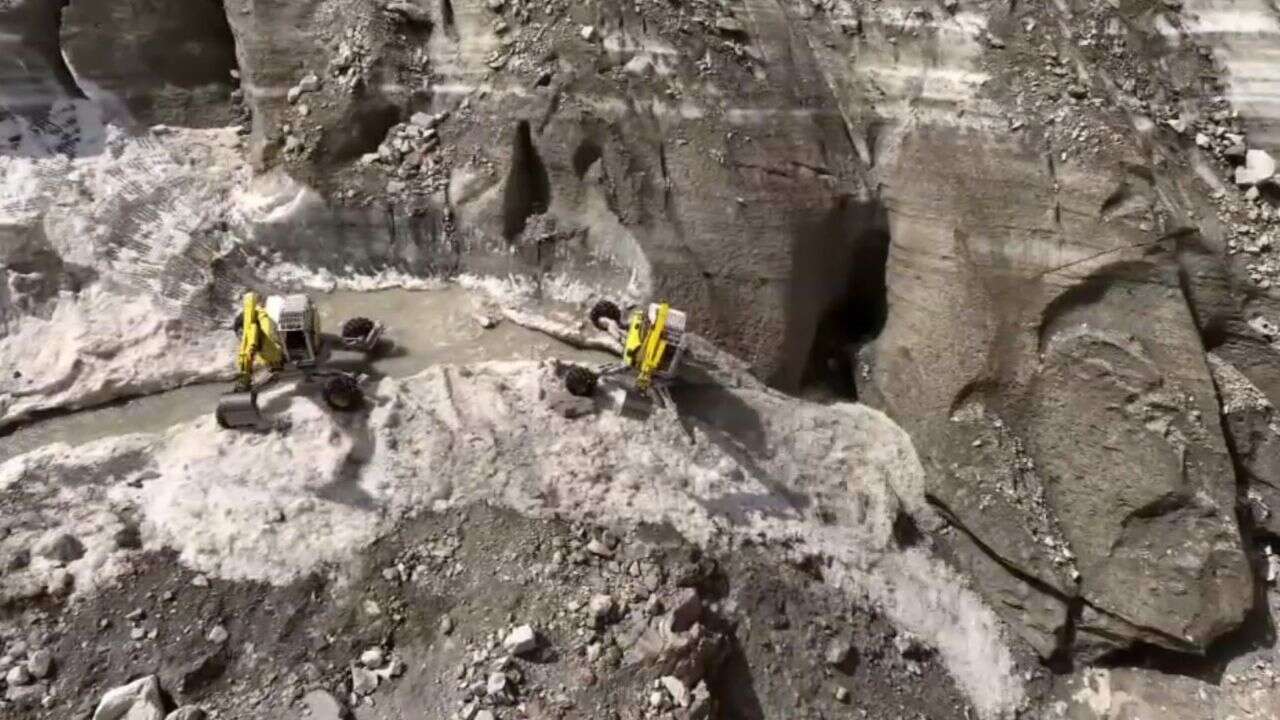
{"x":522,"y":640}
{"x":218,"y":635}
{"x":14,"y":560}
{"x":59,"y":583}
{"x":1258,"y":167}
{"x":601,"y":607}
{"x":372,"y":658}
{"x":686,"y":610}
{"x":18,"y":676}
{"x":700,"y":702}
{"x":410,"y":12}
{"x":498,"y":688}
{"x":24,"y":696}
{"x":839,"y":653}
{"x":40,"y":664}
{"x":676,"y":689}
{"x":324,"y":706}
{"x":139,"y":700}
{"x":188,"y":712}
{"x":60,"y":547}
{"x":363,"y":681}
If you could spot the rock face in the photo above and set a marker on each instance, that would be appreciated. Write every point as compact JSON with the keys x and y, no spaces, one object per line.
{"x":33,"y":75}
{"x":152,"y":62}
{"x":1012,"y":226}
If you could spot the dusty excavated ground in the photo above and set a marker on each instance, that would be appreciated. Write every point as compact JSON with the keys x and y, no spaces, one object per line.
{"x":439,"y":594}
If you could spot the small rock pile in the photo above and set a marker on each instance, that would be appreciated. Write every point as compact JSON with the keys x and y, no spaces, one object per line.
{"x":26,"y":672}
{"x":373,"y":668}
{"x":411,"y":155}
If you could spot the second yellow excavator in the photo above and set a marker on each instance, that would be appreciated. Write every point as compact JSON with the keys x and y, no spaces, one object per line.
{"x":283,"y":333}
{"x":653,"y":344}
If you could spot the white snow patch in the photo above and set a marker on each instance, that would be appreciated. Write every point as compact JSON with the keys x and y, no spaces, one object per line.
{"x":109,"y":260}
{"x":313,"y":493}
{"x":99,"y":346}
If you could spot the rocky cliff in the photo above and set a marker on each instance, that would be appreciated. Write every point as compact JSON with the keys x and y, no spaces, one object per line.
{"x":1042,"y":237}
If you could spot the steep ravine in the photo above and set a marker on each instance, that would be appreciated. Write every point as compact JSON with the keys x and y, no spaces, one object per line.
{"x":1016,"y":228}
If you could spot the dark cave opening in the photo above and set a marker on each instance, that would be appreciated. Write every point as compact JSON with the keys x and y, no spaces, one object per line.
{"x":854,"y":317}
{"x":528,"y":188}
{"x":584,"y":156}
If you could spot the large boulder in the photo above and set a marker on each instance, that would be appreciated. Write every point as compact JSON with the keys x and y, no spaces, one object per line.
{"x":139,"y":700}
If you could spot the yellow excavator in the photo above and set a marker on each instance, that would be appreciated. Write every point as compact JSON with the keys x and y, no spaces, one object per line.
{"x":282,"y":333}
{"x":653,"y":344}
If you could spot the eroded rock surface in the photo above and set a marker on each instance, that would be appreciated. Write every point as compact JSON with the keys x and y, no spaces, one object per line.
{"x":150,"y":63}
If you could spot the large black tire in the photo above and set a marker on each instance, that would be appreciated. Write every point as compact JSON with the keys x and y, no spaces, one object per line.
{"x":605,"y":309}
{"x":238,"y":323}
{"x":581,"y":381}
{"x":222,"y":422}
{"x":357,"y":328}
{"x":342,"y":393}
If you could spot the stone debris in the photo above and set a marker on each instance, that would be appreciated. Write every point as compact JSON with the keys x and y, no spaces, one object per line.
{"x":18,"y":676}
{"x":521,"y":641}
{"x":60,"y":547}
{"x":686,"y":610}
{"x":218,"y":635}
{"x":498,"y":688}
{"x":324,"y":706}
{"x":838,"y":652}
{"x":23,"y":696}
{"x":1259,"y":167}
{"x":187,"y":712}
{"x":308,"y":84}
{"x":40,"y":664}
{"x":372,"y":658}
{"x":599,"y":548}
{"x":363,"y":681}
{"x":409,"y":12}
{"x":676,"y":689}
{"x":601,"y":607}
{"x":842,"y":694}
{"x":139,"y":700}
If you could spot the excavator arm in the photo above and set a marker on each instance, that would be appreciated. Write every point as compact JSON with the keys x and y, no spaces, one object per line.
{"x":653,"y":348}
{"x":257,"y":341}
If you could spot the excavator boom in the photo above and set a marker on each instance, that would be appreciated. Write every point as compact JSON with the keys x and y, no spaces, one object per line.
{"x":257,"y":342}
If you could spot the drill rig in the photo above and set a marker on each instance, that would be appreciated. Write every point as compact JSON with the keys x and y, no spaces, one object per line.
{"x":283,"y":333}
{"x":653,"y":344}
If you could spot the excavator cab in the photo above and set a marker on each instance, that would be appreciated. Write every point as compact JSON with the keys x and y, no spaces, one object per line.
{"x":298,"y":327}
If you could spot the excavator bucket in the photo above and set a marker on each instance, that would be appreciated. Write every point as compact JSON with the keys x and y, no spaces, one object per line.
{"x":238,"y":410}
{"x":635,"y":404}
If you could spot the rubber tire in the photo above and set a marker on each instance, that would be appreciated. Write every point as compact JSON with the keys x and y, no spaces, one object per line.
{"x":238,"y":323}
{"x":581,"y":382}
{"x":222,"y":422}
{"x":342,"y":393}
{"x":605,"y":309}
{"x":357,"y":328}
